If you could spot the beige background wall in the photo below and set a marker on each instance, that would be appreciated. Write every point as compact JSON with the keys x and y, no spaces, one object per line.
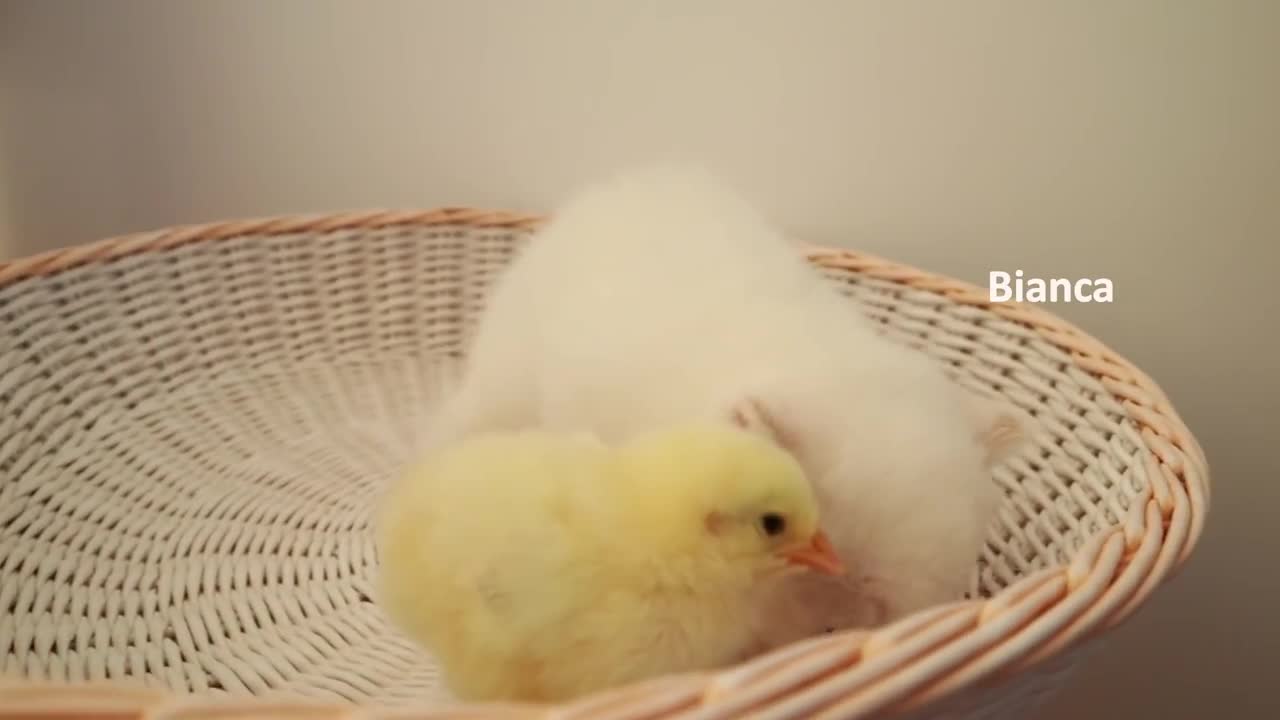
{"x":1135,"y":140}
{"x":8,"y":244}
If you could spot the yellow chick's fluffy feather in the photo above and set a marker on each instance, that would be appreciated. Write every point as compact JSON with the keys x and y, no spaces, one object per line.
{"x":540,"y":566}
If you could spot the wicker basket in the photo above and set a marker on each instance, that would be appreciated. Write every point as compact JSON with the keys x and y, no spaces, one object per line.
{"x":195,"y":423}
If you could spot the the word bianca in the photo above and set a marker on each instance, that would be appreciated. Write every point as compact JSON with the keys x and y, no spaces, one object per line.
{"x":1004,"y":287}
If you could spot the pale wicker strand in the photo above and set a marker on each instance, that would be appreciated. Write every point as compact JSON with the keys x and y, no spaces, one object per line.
{"x":902,"y":667}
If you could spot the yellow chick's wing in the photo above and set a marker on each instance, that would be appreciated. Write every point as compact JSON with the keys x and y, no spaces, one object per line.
{"x":480,"y":547}
{"x":538,"y":566}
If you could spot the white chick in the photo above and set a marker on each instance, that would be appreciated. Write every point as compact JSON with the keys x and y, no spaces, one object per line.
{"x":661,"y":296}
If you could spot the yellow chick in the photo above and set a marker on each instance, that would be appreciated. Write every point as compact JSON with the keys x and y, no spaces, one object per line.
{"x":540,"y":566}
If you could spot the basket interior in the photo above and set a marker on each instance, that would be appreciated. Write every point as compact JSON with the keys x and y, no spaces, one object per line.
{"x":192,"y":441}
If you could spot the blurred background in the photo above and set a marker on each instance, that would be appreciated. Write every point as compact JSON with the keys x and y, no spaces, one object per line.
{"x":1135,"y":140}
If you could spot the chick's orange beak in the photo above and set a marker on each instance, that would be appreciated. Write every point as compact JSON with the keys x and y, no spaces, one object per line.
{"x":818,"y":555}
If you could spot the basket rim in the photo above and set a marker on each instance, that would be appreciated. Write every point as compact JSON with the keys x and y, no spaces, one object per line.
{"x":916,"y":660}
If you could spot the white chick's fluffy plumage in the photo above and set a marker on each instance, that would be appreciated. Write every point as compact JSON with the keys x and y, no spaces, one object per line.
{"x":662,"y":296}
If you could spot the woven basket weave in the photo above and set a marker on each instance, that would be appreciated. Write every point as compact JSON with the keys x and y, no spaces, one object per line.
{"x":195,"y":424}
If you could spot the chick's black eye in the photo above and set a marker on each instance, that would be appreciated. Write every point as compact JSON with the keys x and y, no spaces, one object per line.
{"x":773,"y":524}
